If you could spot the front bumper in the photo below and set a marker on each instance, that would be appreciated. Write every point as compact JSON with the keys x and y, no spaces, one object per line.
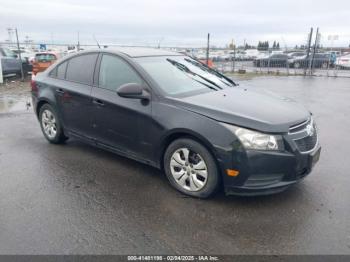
{"x":266,"y":172}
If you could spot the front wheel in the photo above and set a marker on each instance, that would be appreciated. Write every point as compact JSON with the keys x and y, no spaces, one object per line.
{"x":50,"y":125}
{"x":191,"y":168}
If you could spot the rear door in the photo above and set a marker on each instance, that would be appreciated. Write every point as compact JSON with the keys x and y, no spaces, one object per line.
{"x":120,"y":123}
{"x":73,"y":93}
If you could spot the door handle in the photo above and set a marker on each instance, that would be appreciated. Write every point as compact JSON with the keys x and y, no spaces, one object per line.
{"x":98,"y":102}
{"x":60,"y":91}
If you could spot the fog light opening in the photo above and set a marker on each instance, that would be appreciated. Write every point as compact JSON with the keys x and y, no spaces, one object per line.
{"x":232,"y":172}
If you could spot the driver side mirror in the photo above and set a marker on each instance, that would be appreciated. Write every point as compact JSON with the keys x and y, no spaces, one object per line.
{"x":133,"y":90}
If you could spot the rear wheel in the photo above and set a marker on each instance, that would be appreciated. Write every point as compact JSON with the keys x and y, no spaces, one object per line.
{"x":190,"y":168}
{"x":50,"y":125}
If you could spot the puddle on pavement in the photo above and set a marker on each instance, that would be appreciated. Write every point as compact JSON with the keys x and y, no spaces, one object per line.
{"x":15,"y":103}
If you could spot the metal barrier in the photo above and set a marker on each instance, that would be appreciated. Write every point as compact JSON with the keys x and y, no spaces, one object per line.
{"x":319,"y":64}
{"x":330,"y":61}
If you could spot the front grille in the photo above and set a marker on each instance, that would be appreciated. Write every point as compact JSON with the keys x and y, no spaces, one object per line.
{"x":307,"y":143}
{"x":299,"y":127}
{"x":304,"y":135}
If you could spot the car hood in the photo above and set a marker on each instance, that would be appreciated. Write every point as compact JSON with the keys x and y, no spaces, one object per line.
{"x":241,"y":106}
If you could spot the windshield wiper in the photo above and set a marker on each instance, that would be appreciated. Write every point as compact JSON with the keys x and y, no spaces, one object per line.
{"x":184,"y":68}
{"x":206,"y":68}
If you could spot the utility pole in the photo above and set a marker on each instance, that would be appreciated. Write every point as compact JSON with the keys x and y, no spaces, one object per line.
{"x":19,"y":56}
{"x":160,"y":41}
{"x":314,"y":51}
{"x":10,"y":32}
{"x":208,"y":49}
{"x":78,"y":46}
{"x":308,"y":51}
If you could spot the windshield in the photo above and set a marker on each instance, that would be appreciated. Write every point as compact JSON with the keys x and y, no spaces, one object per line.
{"x":177,"y":75}
{"x":45,"y":57}
{"x":8,"y":52}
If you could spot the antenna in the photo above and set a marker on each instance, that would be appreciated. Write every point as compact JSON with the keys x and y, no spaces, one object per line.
{"x":96,"y":41}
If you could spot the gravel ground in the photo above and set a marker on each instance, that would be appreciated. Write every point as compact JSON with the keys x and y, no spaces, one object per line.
{"x":76,"y":199}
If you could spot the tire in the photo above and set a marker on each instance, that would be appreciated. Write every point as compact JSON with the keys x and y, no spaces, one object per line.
{"x":50,"y":125}
{"x":297,"y":65}
{"x":324,"y":65}
{"x":197,"y":175}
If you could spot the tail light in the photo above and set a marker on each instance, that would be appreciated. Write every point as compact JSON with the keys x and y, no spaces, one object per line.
{"x":34,"y":86}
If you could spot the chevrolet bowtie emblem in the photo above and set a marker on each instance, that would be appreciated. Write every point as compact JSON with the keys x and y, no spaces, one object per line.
{"x":310,"y":130}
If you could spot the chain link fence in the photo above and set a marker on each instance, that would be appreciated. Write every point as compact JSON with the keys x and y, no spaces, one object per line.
{"x":327,"y":56}
{"x":324,"y":59}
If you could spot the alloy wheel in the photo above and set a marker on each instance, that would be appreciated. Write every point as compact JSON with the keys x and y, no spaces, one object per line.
{"x":188,"y":169}
{"x":48,"y":121}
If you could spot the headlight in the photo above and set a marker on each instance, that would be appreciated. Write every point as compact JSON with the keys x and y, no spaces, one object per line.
{"x":254,"y":140}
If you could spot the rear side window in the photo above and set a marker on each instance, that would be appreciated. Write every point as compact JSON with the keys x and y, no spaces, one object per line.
{"x":61,"y":70}
{"x":53,"y":72}
{"x":115,"y":72}
{"x":41,"y":58}
{"x":81,"y":68}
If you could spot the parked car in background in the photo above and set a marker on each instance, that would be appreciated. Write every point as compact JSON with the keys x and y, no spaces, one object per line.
{"x":343,"y":62}
{"x":11,"y":65}
{"x":321,"y":60}
{"x":273,"y":60}
{"x":172,"y":112}
{"x":27,"y":57}
{"x":294,"y":55}
{"x":43,"y":60}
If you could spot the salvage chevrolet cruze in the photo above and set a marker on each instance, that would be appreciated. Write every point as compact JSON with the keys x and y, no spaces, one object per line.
{"x":175,"y":113}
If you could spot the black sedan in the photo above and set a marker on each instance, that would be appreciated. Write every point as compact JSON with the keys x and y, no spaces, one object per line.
{"x":175,"y":113}
{"x":274,"y":60}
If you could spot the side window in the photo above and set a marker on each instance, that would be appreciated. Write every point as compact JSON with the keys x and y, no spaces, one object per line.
{"x":53,"y":72}
{"x":81,"y":68}
{"x":61,"y":70}
{"x":115,"y":72}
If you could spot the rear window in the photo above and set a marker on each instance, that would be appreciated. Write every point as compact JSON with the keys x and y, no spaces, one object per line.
{"x":81,"y":68}
{"x":45,"y":57}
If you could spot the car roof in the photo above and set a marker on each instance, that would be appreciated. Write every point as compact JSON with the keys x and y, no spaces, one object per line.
{"x":140,"y":51}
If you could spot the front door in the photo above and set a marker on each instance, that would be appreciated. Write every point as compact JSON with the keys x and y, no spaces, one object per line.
{"x":120,"y":123}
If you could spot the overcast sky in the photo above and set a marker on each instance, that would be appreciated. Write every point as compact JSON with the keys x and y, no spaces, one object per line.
{"x":175,"y":23}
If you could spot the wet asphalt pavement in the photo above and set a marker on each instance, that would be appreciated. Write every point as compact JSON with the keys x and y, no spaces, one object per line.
{"x":76,"y":199}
